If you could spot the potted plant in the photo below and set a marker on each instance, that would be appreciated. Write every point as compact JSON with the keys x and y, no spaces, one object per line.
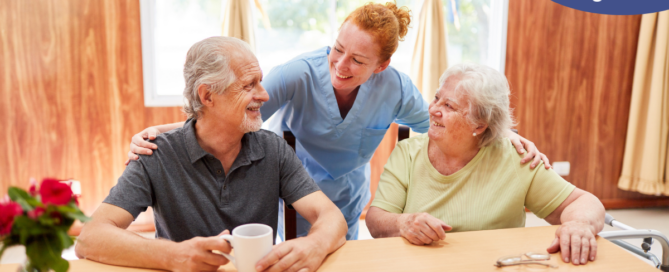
{"x":39,"y":220}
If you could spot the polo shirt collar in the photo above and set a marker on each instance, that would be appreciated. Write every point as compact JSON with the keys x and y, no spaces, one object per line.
{"x":251,"y":149}
{"x":195,"y":151}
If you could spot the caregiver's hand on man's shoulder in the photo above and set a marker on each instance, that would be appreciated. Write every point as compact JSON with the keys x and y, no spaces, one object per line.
{"x":139,"y":144}
{"x":422,"y":228}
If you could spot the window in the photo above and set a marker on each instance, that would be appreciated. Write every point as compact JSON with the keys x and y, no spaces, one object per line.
{"x":300,"y":26}
{"x":476,"y":33}
{"x":169,"y":29}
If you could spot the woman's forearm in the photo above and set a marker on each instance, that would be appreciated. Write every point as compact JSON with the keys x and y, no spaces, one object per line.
{"x":382,"y":223}
{"x":167,"y":127}
{"x":586,"y":208}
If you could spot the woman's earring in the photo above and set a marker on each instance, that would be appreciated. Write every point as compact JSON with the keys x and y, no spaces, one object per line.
{"x":474,"y":134}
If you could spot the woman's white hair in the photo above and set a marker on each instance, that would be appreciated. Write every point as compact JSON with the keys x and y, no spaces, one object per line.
{"x":208,"y":62}
{"x":487,"y":92}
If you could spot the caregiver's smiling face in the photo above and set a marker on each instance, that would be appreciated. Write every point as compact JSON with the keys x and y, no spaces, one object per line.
{"x":354,"y":58}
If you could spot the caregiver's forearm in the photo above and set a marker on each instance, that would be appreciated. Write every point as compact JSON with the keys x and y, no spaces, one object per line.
{"x":167,"y":127}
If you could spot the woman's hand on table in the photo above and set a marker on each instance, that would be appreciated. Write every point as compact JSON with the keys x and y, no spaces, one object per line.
{"x":301,"y":254}
{"x":140,"y":145}
{"x":576,"y":240}
{"x":524,"y":145}
{"x":196,"y":254}
{"x":422,"y":228}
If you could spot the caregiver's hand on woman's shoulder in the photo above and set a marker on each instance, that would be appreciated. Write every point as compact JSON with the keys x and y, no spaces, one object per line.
{"x":522,"y":145}
{"x":422,"y":228}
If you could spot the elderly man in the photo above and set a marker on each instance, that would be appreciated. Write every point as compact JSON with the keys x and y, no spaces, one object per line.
{"x":216,"y":172}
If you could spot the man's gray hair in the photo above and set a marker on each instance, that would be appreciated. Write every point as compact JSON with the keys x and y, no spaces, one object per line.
{"x":487,"y":92}
{"x":208,"y":62}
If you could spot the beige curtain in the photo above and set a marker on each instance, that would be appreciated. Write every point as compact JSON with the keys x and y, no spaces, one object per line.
{"x":645,"y":162}
{"x":238,"y":20}
{"x":429,"y":55}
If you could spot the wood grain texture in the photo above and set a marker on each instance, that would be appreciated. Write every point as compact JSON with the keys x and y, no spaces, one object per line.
{"x":71,"y":92}
{"x":571,"y":81}
{"x":473,"y":251}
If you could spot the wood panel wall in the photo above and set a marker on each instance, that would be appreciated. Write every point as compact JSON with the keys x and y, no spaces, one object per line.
{"x":571,"y":81}
{"x":71,"y":94}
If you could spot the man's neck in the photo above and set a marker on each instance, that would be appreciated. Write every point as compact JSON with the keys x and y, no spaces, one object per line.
{"x":222,"y":142}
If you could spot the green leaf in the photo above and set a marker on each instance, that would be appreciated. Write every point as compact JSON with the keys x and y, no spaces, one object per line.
{"x":78,"y":215}
{"x":46,"y":220}
{"x":66,"y":209}
{"x":65,"y":240}
{"x":27,"y":228}
{"x":44,"y":252}
{"x":34,"y":202}
{"x":21,"y":197}
{"x":17,"y":193}
{"x":61,"y":265}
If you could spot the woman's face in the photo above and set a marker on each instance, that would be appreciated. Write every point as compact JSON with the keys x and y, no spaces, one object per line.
{"x":448,"y":116}
{"x":353,"y":58}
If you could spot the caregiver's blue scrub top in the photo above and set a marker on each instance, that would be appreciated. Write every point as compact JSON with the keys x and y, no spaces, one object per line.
{"x":331,"y":148}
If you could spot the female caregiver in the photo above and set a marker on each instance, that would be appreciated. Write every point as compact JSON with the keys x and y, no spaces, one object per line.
{"x":339,"y":102}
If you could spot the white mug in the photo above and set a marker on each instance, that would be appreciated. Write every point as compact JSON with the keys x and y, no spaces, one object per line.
{"x":251,"y":243}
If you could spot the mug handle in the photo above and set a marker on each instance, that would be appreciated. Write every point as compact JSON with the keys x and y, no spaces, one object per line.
{"x":230,"y":239}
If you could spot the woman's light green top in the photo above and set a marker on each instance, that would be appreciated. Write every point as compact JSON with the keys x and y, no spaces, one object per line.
{"x":490,"y":192}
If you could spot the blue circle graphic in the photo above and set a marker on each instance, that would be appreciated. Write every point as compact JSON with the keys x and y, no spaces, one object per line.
{"x":616,"y":7}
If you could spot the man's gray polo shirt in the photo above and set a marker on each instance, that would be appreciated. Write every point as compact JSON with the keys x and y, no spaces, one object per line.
{"x":192,"y":196}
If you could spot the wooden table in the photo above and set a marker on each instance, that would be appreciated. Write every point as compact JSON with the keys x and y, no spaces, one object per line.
{"x":465,"y":251}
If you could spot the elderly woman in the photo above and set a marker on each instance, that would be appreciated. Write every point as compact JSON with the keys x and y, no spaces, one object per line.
{"x":464,"y":175}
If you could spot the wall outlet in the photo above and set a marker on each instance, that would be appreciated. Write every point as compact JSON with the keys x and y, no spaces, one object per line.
{"x":562,"y":168}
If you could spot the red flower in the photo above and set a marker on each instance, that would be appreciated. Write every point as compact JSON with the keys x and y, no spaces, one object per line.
{"x":8,"y":211}
{"x":33,"y":190}
{"x":54,"y":192}
{"x":36,"y":213}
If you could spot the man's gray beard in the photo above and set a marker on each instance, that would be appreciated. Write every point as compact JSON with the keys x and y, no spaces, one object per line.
{"x":251,"y":125}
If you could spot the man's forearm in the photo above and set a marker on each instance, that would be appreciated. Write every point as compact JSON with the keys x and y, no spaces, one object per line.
{"x":329,"y":224}
{"x":382,"y":223}
{"x":167,"y":127}
{"x":109,"y":244}
{"x":586,"y":208}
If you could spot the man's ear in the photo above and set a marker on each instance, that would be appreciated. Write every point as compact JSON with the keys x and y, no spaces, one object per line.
{"x":204,"y":94}
{"x":382,"y":67}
